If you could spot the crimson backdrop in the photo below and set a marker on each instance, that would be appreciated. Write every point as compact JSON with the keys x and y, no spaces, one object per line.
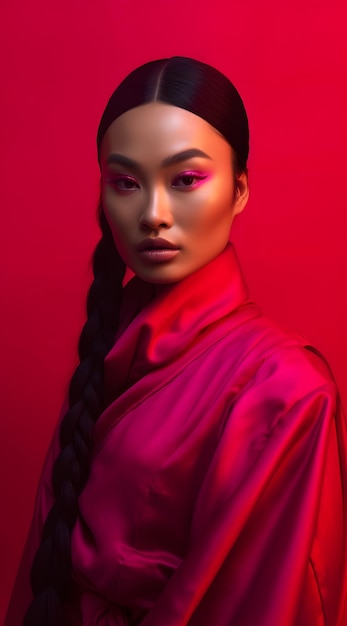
{"x":60,"y":63}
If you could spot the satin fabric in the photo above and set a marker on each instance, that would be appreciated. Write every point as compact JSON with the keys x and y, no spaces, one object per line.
{"x":217,"y":493}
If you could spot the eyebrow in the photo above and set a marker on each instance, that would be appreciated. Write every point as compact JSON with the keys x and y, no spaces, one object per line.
{"x":121,"y":159}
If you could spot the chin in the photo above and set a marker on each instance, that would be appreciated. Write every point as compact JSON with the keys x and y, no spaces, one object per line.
{"x":159,"y":280}
{"x":161,"y":276}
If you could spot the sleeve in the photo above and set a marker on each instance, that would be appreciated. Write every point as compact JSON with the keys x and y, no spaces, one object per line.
{"x":268,"y":538}
{"x":21,"y":594}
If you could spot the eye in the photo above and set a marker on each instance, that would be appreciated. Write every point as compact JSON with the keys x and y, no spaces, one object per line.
{"x":123,"y":183}
{"x":188,"y":180}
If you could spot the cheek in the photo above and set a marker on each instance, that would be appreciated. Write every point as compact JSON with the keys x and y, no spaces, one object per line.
{"x":211,"y":208}
{"x":117,"y":216}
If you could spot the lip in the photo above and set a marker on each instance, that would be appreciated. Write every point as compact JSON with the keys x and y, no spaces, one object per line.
{"x":157,"y":243}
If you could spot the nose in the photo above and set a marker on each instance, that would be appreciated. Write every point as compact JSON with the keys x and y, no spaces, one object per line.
{"x":157,"y":211}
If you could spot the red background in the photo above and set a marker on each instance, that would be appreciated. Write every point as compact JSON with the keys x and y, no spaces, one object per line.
{"x":59,"y":65}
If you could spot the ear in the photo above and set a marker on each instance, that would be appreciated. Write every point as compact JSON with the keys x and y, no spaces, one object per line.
{"x":242,"y":193}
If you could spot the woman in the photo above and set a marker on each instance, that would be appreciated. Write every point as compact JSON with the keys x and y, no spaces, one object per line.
{"x":198,"y":475}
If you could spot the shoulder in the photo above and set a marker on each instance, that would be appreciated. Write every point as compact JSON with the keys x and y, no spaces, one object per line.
{"x":278,"y":368}
{"x":289,"y":353}
{"x":275,"y":346}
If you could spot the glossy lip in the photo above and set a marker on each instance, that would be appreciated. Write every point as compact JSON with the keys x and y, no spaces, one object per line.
{"x":157,"y":243}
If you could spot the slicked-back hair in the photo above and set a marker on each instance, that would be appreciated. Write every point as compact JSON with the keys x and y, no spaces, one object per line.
{"x":190,"y":85}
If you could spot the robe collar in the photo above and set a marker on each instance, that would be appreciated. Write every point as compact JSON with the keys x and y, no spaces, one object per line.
{"x":156,"y":328}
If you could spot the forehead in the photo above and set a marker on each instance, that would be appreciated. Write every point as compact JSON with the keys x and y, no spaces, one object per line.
{"x":161,"y":129}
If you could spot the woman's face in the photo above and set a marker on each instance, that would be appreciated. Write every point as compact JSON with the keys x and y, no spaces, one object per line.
{"x":168,"y":191}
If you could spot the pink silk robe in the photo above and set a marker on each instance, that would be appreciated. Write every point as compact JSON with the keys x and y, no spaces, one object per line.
{"x":217,"y":493}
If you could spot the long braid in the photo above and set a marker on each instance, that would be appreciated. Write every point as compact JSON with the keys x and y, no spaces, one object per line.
{"x":51,"y":569}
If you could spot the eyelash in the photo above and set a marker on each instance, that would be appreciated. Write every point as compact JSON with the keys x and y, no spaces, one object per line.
{"x":118,"y":180}
{"x":196,"y":175}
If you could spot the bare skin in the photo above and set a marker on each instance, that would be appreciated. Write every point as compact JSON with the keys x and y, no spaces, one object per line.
{"x":170,"y":213}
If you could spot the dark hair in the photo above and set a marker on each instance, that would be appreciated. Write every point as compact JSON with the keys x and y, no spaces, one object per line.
{"x":190,"y":85}
{"x":203,"y":90}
